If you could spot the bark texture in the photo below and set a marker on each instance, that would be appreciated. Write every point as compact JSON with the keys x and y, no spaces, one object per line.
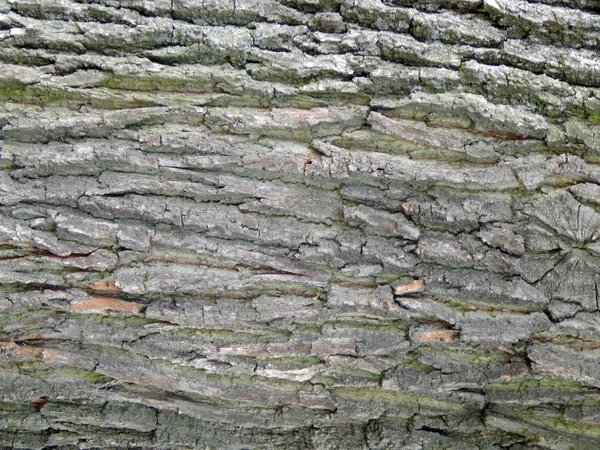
{"x":299,"y":224}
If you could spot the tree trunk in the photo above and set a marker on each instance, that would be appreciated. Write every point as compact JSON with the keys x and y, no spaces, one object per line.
{"x":299,"y":224}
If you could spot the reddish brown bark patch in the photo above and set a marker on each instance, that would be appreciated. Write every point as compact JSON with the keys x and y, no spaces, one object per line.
{"x":105,"y":304}
{"x":39,"y":403}
{"x":31,"y":337}
{"x":44,"y":353}
{"x":411,"y":288}
{"x":9,"y":347}
{"x":409,"y":207}
{"x":441,"y":335}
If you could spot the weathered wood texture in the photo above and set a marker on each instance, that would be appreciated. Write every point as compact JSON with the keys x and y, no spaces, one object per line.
{"x":300,"y":224}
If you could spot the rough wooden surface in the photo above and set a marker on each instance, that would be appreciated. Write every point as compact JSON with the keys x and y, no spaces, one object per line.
{"x":299,"y":224}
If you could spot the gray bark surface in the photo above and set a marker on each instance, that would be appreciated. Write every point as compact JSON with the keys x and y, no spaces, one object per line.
{"x":299,"y":224}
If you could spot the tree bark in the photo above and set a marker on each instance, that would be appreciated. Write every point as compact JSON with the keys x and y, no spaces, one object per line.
{"x":299,"y":224}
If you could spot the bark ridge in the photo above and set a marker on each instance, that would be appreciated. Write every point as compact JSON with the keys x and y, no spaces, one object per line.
{"x":299,"y":224}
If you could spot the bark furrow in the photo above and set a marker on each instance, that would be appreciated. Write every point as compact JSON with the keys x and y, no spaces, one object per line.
{"x":299,"y":224}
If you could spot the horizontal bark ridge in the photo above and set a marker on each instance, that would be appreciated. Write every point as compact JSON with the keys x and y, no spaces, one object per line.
{"x":310,"y":224}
